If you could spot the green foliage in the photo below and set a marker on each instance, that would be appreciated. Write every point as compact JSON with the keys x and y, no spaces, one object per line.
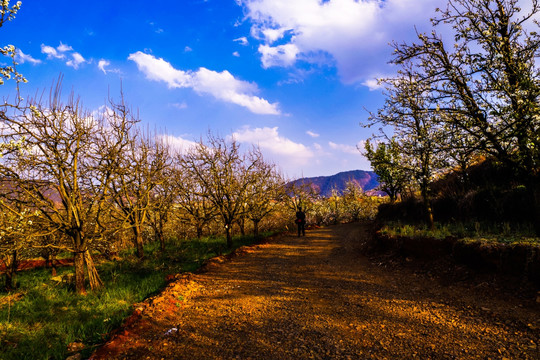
{"x":50,"y":315}
{"x":387,"y":162}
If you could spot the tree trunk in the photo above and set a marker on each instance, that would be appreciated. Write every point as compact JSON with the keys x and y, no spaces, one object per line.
{"x":138,"y":241}
{"x":229,"y":236}
{"x":199,"y":231}
{"x":161,"y":241}
{"x":11,"y":270}
{"x":80,"y":286}
{"x":160,"y":235}
{"x":241,"y":224}
{"x":49,"y":262}
{"x":93,"y":276}
{"x":427,"y":206}
{"x":256,"y":228}
{"x":78,"y":262}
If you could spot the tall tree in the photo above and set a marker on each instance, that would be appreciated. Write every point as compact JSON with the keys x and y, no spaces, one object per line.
{"x":192,"y":200}
{"x":141,"y":168}
{"x":264,"y":192}
{"x":487,"y":84}
{"x":161,"y":204}
{"x":56,"y":168}
{"x":418,"y":131}
{"x":224,"y":172}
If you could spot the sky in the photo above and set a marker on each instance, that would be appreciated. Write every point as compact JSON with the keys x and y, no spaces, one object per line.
{"x":295,"y":77}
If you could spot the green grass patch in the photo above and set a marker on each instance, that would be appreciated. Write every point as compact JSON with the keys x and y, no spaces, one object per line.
{"x":502,"y":233}
{"x":49,"y":316}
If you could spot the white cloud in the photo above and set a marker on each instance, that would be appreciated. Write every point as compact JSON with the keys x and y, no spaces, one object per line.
{"x":102,"y":64}
{"x":373,"y":84}
{"x":281,"y":55}
{"x":188,"y":49}
{"x":51,"y":52}
{"x":22,"y":58}
{"x":348,"y":149}
{"x":221,"y":85}
{"x":312,"y":134}
{"x":76,"y":60}
{"x":64,"y":48}
{"x":177,"y":143}
{"x":236,"y":54}
{"x":242,"y":40}
{"x":160,"y":70}
{"x":354,"y":33}
{"x":269,"y":140}
{"x":60,"y":53}
{"x":272,"y":35}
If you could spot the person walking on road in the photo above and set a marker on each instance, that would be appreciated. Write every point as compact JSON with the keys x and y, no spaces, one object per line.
{"x":301,"y":222}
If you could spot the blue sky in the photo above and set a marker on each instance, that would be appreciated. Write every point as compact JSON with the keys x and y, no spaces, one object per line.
{"x":293,"y":76}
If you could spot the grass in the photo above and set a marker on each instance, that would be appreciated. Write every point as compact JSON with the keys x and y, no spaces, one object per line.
{"x":496,"y":233}
{"x":49,"y":316}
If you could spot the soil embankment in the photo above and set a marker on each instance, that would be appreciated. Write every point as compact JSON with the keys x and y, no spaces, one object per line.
{"x":317,"y":297}
{"x":38,"y":263}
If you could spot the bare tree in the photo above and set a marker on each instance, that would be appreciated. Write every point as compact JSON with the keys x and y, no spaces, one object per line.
{"x":486,"y":84}
{"x":161,"y":203}
{"x":223,"y":172}
{"x":265,"y":191}
{"x":141,"y":169}
{"x":55,"y":166}
{"x":192,"y":202}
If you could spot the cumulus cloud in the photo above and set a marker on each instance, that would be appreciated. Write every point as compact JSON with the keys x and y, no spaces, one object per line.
{"x":22,"y":58}
{"x":64,"y":48}
{"x":61,"y":52}
{"x":269,"y":139}
{"x":281,"y":55}
{"x":354,"y":33}
{"x":51,"y":52}
{"x":76,"y":60}
{"x":221,"y":85}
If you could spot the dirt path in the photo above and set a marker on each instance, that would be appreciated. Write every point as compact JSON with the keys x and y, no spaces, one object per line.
{"x":317,"y":297}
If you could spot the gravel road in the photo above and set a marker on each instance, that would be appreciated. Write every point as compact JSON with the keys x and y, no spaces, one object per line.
{"x":318,"y":297}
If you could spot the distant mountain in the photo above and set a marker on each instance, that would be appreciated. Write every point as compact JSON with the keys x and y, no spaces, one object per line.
{"x":366,"y":179}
